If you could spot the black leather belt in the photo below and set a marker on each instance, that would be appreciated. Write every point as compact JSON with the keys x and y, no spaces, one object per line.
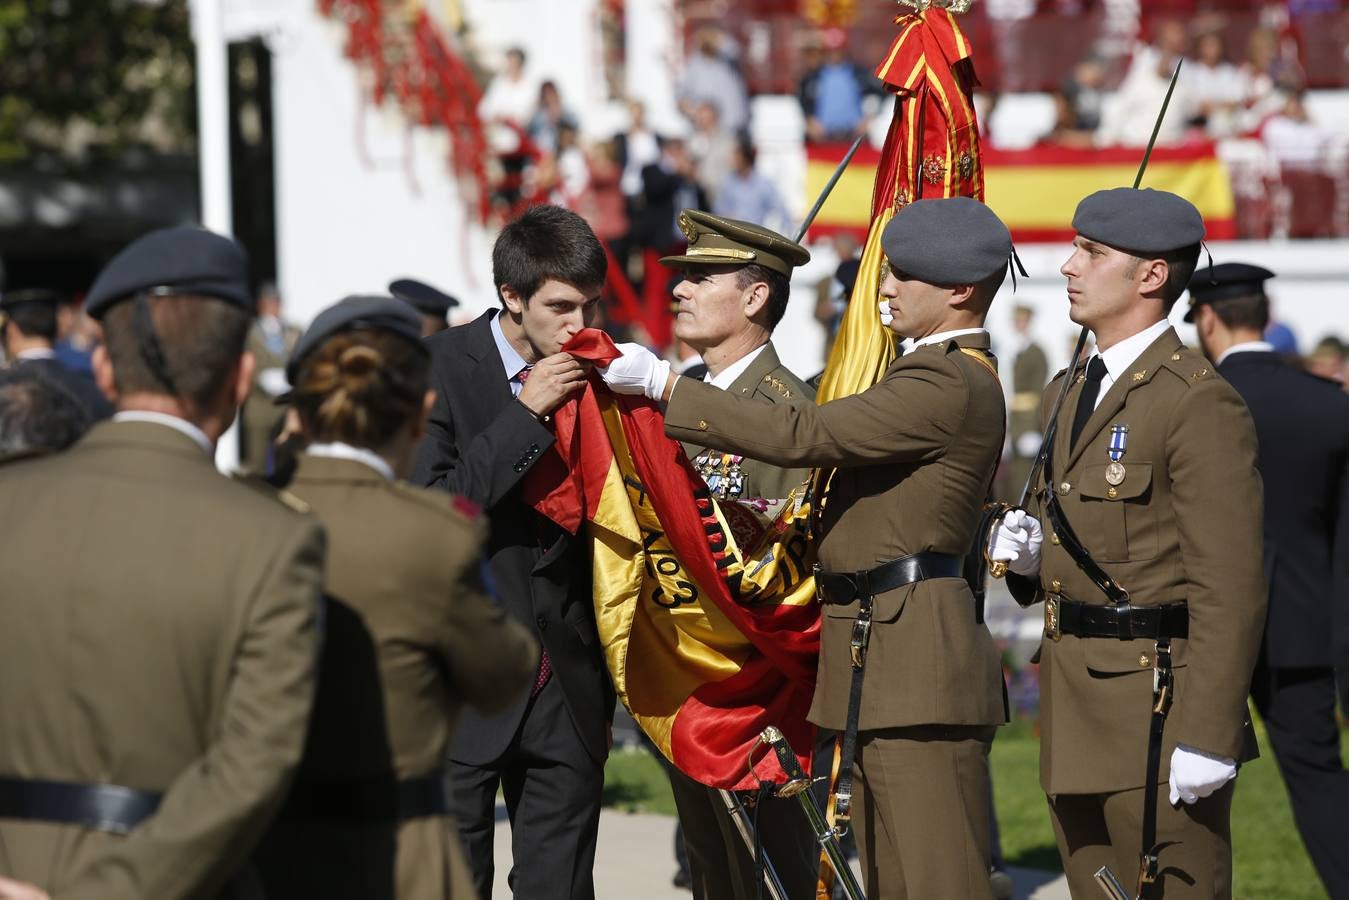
{"x":1093,"y":620}
{"x":100,"y":807}
{"x":842,"y":588}
{"x":369,"y":800}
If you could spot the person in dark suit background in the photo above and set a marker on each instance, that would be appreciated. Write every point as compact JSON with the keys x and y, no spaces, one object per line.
{"x":498,"y":380}
{"x":29,"y":327}
{"x":1302,"y":426}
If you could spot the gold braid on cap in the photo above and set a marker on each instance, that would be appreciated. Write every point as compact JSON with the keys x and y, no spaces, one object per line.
{"x":955,"y":6}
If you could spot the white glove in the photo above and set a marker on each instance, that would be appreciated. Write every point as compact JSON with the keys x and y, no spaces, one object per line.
{"x":637,"y":371}
{"x":1196,"y":774}
{"x":886,"y":315}
{"x":1016,"y":541}
{"x":1028,"y":444}
{"x":273,"y":381}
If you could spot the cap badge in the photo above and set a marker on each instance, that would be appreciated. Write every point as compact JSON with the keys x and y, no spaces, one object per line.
{"x":688,"y":226}
{"x":1119,"y":441}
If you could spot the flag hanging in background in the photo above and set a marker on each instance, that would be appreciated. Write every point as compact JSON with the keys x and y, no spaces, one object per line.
{"x":931,"y":150}
{"x":706,"y":611}
{"x":1036,"y":190}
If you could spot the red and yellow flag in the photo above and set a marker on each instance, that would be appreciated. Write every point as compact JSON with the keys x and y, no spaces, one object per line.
{"x":706,"y":610}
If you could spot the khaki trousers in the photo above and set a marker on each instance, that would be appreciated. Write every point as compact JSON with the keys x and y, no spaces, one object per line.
{"x":719,"y":862}
{"x":1095,"y":830}
{"x":920,"y":810}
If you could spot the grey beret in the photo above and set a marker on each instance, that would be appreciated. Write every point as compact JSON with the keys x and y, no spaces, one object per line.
{"x":1146,"y":221}
{"x":381,"y":313}
{"x":955,"y":240}
{"x":174,"y":261}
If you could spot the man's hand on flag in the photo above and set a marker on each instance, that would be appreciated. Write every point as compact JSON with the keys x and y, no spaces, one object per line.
{"x":637,"y":371}
{"x":552,"y":380}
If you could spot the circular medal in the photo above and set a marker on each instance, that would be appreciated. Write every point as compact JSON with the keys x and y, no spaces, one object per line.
{"x":1114,"y":473}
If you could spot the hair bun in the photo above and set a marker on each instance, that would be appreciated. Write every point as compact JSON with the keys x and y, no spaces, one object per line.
{"x":358,"y":365}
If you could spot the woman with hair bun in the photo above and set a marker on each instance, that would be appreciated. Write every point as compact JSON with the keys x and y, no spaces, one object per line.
{"x":410,"y":634}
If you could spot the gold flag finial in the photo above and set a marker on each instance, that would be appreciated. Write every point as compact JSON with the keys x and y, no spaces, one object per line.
{"x":955,"y":6}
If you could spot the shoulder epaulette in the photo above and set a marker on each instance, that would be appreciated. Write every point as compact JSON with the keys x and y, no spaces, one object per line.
{"x":1189,"y":366}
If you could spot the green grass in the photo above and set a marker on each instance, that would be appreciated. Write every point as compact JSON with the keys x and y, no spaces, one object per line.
{"x":1269,"y":861}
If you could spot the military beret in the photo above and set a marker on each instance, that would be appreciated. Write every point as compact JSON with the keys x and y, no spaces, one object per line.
{"x":954,"y":240}
{"x":180,"y":260}
{"x":425,"y":298}
{"x":717,"y":241}
{"x":26,"y":296}
{"x":1222,"y":282}
{"x":1142,"y":221}
{"x":349,"y":313}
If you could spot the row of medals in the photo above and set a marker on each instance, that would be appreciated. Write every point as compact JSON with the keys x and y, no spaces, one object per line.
{"x":722,"y":472}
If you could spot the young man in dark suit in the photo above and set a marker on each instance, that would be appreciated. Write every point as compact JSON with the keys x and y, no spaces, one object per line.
{"x":498,"y":380}
{"x":1302,"y":429}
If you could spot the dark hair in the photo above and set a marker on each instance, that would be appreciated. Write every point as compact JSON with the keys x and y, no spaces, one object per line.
{"x":360,"y":387}
{"x":779,"y":289}
{"x":1180,"y":265}
{"x":1250,"y":311}
{"x":746,"y":148}
{"x":202,"y":339}
{"x":547,"y":242}
{"x":36,"y":413}
{"x":518,"y":53}
{"x":35,"y":320}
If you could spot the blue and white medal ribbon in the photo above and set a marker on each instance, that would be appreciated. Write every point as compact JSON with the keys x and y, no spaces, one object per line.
{"x":1119,"y":440}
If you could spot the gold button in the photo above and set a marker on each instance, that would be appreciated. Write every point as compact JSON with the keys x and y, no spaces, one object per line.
{"x":1065,"y":488}
{"x":1112,"y":493}
{"x":1056,"y":585}
{"x":1054,"y":539}
{"x":1175,"y":357}
{"x":702,"y":424}
{"x":768,"y":378}
{"x":1143,"y":661}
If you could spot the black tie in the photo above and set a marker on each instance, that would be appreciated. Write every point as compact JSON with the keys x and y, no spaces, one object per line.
{"x":1086,"y":401}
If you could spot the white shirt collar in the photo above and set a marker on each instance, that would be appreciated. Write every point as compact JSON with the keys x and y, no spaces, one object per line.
{"x":727,"y":376}
{"x":1120,"y":357}
{"x":36,"y":353}
{"x":339,"y":450}
{"x":180,"y":425}
{"x":510,"y":357}
{"x":1247,"y":347}
{"x":943,"y":336}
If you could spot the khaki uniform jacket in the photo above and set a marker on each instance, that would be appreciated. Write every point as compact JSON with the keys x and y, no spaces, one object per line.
{"x":768,"y":380}
{"x":915,"y":456}
{"x":411,"y":637}
{"x":260,"y":412}
{"x":160,"y":632}
{"x":1030,"y":371}
{"x":1184,"y":525}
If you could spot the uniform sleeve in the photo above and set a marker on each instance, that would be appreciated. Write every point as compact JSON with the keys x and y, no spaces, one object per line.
{"x":491,"y":657}
{"x":1339,"y":585}
{"x":217,"y":809}
{"x":910,"y":416}
{"x":1025,"y":590}
{"x":491,"y":464}
{"x":1218,"y":502}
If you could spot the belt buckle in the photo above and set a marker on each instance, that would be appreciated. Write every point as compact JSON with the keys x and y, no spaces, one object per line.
{"x":1053,"y":624}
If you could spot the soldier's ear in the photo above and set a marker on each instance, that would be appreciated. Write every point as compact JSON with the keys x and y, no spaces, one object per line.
{"x":756,"y":298}
{"x":103,"y":374}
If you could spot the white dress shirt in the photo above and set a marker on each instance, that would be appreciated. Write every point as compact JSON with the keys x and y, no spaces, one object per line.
{"x":339,"y":450}
{"x":1121,"y":357}
{"x":180,"y":425}
{"x":511,"y":359}
{"x":942,"y":337}
{"x":727,"y":376}
{"x":1247,"y":347}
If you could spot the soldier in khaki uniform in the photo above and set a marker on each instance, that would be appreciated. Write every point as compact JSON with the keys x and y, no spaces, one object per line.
{"x":410,"y":635}
{"x":915,"y":456}
{"x":1151,"y":574}
{"x":160,"y":620}
{"x":737,"y":280}
{"x":1030,"y":371}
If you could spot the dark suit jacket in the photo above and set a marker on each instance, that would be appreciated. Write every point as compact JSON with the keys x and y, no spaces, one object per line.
{"x":480,"y":444}
{"x":79,"y":384}
{"x":1302,"y":427}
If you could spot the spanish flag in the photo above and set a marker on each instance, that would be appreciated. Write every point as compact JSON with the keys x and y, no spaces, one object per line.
{"x":706,"y":610}
{"x":1036,"y":190}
